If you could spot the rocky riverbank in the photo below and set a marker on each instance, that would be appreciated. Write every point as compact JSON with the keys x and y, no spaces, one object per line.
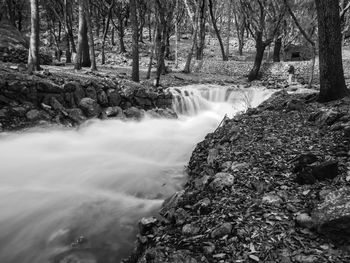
{"x":271,"y":185}
{"x":46,"y":98}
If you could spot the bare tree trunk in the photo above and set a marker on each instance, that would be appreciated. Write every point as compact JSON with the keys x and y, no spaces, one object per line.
{"x":148,"y":76}
{"x":105,"y":32}
{"x":260,"y":49}
{"x":90,"y":35}
{"x":78,"y":58}
{"x":135,"y":41}
{"x":229,"y":18}
{"x":33,"y":56}
{"x":202,"y":21}
{"x":176,"y":36}
{"x":277,"y":50}
{"x":224,"y":57}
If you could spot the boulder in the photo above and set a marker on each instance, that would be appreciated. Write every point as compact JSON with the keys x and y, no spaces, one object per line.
{"x":114,"y":112}
{"x":190,"y":230}
{"x":271,"y":199}
{"x":102,"y":98}
{"x":146,"y":224}
{"x":114,"y":98}
{"x":134,"y":113}
{"x":33,"y":115}
{"x":89,"y":107}
{"x":79,"y":92}
{"x":55,"y":104}
{"x":162,"y":113}
{"x":325,"y":170}
{"x":91,"y":93}
{"x":332,"y":216}
{"x":304,"y":220}
{"x":221,"y":181}
{"x":76,"y":115}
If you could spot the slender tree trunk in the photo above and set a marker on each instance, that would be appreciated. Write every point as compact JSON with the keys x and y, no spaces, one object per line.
{"x":332,"y":83}
{"x":106,"y":32}
{"x":152,"y":53}
{"x":260,"y":49}
{"x":135,"y":41}
{"x":68,"y":53}
{"x":160,"y":40}
{"x":90,"y":35}
{"x":277,"y":50}
{"x":229,"y":18}
{"x":33,"y":56}
{"x":86,"y":62}
{"x":224,"y":57}
{"x":176,"y":36}
{"x":201,"y":38}
{"x":112,"y":37}
{"x":78,"y":57}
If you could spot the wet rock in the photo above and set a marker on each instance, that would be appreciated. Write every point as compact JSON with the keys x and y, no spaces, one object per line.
{"x":221,"y":230}
{"x":162,"y":113}
{"x":325,"y":170}
{"x":146,"y":224}
{"x":33,"y":115}
{"x":79,"y":92}
{"x":76,"y":115}
{"x":55,"y":104}
{"x":190,"y":230}
{"x":172,"y":202}
{"x":134,"y":113}
{"x":114,"y":112}
{"x":304,"y":220}
{"x":221,"y":181}
{"x":114,"y":98}
{"x":18,"y":111}
{"x":102,"y":98}
{"x":272,"y":199}
{"x":332,"y":216}
{"x":89,"y":107}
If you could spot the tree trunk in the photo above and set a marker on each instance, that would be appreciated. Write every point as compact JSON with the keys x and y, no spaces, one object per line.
{"x":78,"y":57}
{"x":224,"y":57}
{"x":33,"y":56}
{"x":86,"y":62}
{"x":106,"y":32}
{"x":112,"y":37}
{"x":260,"y":48}
{"x":176,"y":36}
{"x":201,"y":35}
{"x":160,"y":40}
{"x":332,"y":83}
{"x":229,"y":18}
{"x":135,"y":41}
{"x":277,"y":50}
{"x":148,"y":76}
{"x":68,"y":53}
{"x":90,"y":35}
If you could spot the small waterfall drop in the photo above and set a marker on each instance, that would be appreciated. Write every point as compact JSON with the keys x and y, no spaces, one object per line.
{"x":59,"y":184}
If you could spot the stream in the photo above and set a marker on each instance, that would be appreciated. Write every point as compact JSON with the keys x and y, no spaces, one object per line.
{"x":77,"y":194}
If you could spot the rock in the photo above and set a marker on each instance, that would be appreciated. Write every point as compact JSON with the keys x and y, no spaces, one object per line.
{"x":134,"y":113}
{"x":91,"y":93}
{"x":102,"y":98}
{"x":306,"y":259}
{"x":221,"y":230}
{"x":190,"y":230}
{"x":172,"y":202}
{"x":180,"y":216}
{"x":89,"y":107}
{"x":201,"y":182}
{"x":55,"y":104}
{"x":79,"y":92}
{"x":203,"y":206}
{"x":162,"y":113}
{"x":114,"y":98}
{"x":19,"y":111}
{"x":328,"y":117}
{"x":212,"y":155}
{"x":325,"y":170}
{"x":303,"y":161}
{"x":146,"y":224}
{"x":332,"y":216}
{"x":76,"y":115}
{"x":304,"y":220}
{"x":114,"y":112}
{"x":3,"y":113}
{"x":347,"y":131}
{"x":236,"y":166}
{"x":271,"y":199}
{"x":33,"y":115}
{"x":71,"y":86}
{"x":295,"y":104}
{"x":208,"y":248}
{"x":221,"y":181}
{"x":48,"y":87}
{"x":305,"y":176}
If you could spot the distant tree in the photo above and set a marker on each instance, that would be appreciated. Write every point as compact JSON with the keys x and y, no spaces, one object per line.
{"x":264,"y":17}
{"x":240,"y":24}
{"x":89,"y":33}
{"x":332,"y":82}
{"x":81,"y":29}
{"x":135,"y":41}
{"x":33,"y":56}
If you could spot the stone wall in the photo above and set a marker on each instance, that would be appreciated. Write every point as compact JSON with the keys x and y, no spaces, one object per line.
{"x":17,"y":55}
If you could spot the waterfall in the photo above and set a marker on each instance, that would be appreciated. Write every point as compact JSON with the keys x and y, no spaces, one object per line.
{"x":96,"y":181}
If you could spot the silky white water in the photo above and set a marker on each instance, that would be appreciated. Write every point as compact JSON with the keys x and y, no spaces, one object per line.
{"x":97,"y":181}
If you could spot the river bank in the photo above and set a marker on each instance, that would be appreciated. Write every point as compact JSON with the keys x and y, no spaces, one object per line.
{"x":270,"y":185}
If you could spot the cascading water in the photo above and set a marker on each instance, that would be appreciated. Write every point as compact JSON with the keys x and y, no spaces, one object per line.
{"x":97,"y":181}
